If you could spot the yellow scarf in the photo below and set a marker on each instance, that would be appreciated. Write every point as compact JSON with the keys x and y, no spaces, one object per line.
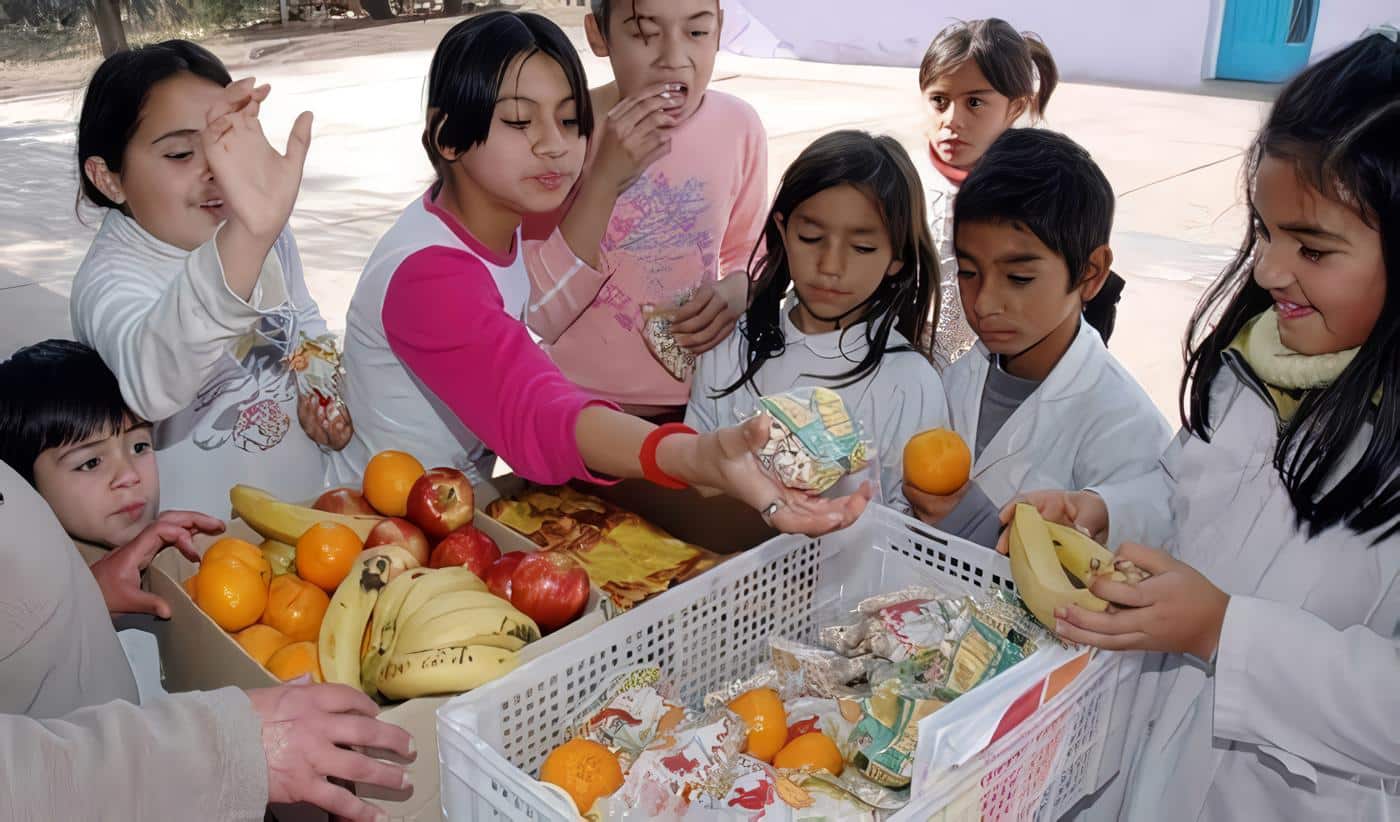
{"x":1286,"y":374}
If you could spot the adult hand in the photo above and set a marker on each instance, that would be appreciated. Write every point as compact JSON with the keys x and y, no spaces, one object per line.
{"x":118,"y":574}
{"x":1176,"y":610}
{"x":307,"y":731}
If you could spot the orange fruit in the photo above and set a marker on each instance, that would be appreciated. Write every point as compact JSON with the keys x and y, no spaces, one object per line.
{"x":585,"y":770}
{"x":261,"y":641}
{"x":230,"y":592}
{"x":294,"y":660}
{"x":188,"y":585}
{"x":937,"y":462}
{"x":813,"y":750}
{"x":244,"y":552}
{"x":295,"y":607}
{"x":766,"y":719}
{"x":325,"y":554}
{"x":388,"y":479}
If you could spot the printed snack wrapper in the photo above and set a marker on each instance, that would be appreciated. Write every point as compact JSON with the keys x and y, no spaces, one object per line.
{"x":630,"y":714}
{"x":824,"y":673}
{"x":887,"y":734}
{"x":813,"y":441}
{"x":315,"y":363}
{"x":694,"y":762}
{"x":656,"y":331}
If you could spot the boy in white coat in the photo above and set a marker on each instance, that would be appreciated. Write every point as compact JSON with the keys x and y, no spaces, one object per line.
{"x":1039,"y":399}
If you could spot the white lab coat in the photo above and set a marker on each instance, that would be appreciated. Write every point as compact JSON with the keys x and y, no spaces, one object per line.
{"x":1089,"y":423}
{"x":1301,"y":718}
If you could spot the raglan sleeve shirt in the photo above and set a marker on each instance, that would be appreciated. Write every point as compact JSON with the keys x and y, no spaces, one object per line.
{"x":162,"y":338}
{"x":445,"y":320}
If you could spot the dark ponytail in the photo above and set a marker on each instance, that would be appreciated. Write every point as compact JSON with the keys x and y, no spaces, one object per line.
{"x":1047,"y":73}
{"x":1102,"y":311}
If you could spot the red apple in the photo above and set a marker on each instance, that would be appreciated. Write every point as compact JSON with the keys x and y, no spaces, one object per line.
{"x":498,"y":575}
{"x":467,"y":546}
{"x":551,"y":588}
{"x":400,"y":532}
{"x":441,"y":501}
{"x":344,"y":501}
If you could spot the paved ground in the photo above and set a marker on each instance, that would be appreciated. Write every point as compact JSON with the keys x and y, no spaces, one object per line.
{"x":1173,"y":158}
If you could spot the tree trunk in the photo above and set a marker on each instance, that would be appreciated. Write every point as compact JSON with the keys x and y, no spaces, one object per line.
{"x":107,"y":18}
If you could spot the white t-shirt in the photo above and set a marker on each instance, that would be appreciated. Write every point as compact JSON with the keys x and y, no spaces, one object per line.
{"x":901,"y":397}
{"x":203,"y":365}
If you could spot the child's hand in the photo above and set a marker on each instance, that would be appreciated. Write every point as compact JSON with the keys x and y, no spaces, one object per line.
{"x":327,"y":425}
{"x":1176,"y":610}
{"x":710,"y":316}
{"x":259,"y":185}
{"x":1081,"y":510}
{"x":119,"y":573}
{"x":633,"y":135}
{"x":932,"y":508}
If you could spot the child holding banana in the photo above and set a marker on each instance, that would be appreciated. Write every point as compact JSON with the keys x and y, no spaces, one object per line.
{"x":1273,"y":614}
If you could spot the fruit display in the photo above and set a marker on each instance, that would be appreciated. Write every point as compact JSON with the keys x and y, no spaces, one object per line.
{"x":624,"y":555}
{"x":937,"y":462}
{"x":1053,"y":565}
{"x":284,"y":521}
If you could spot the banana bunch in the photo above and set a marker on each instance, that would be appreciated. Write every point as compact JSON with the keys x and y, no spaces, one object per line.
{"x":342,"y":638}
{"x":419,"y":632}
{"x":285,"y":522}
{"x":1053,"y":565}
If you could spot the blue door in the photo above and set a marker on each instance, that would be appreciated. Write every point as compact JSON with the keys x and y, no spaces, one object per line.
{"x":1266,"y":40}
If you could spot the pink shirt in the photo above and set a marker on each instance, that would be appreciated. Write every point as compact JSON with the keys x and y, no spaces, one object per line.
{"x":439,"y":363}
{"x":691,"y":218}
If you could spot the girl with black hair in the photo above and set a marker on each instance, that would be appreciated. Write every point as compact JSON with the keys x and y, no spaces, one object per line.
{"x":193,"y":291}
{"x":439,"y":360}
{"x":1274,"y":611}
{"x":847,"y":232}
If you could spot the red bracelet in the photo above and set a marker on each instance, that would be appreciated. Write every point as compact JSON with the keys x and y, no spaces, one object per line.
{"x":650,"y":470}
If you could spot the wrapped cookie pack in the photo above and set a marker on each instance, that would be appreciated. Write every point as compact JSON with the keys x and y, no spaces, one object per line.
{"x":813,"y":441}
{"x":661,"y":342}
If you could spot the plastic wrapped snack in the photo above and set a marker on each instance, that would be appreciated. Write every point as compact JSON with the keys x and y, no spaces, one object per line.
{"x":316,"y":366}
{"x":630,"y":714}
{"x":813,"y":442}
{"x":888,"y":731}
{"x":677,"y":361}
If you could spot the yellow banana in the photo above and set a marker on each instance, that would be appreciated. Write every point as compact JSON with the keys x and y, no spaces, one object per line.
{"x":383,"y":626}
{"x":446,"y":603}
{"x":501,"y":627}
{"x":343,"y":627}
{"x":448,"y":670}
{"x":1040,"y":578}
{"x":285,"y":522}
{"x":439,"y":582}
{"x":1086,"y":560}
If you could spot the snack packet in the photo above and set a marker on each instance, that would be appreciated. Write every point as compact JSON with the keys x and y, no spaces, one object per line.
{"x":691,"y":763}
{"x":997,"y":634}
{"x":823,"y":673}
{"x":812,"y":442}
{"x":630,"y":714}
{"x":888,"y":731}
{"x":656,"y":331}
{"x":315,"y":363}
{"x":898,"y":625}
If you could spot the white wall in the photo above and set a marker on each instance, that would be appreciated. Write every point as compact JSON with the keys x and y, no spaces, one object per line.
{"x":1157,"y":44}
{"x":1339,"y":22}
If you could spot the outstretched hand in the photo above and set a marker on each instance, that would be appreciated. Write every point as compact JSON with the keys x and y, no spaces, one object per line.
{"x":118,"y":574}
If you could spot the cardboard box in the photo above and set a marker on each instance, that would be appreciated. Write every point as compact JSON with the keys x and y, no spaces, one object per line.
{"x":196,"y":654}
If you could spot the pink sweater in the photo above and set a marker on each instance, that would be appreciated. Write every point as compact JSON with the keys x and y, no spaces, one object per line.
{"x":439,"y":363}
{"x":691,"y":218}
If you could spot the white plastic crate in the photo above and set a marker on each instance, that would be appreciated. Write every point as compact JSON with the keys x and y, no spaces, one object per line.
{"x":715,"y":629}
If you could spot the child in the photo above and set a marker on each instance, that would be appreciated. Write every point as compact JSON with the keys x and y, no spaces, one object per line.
{"x":1039,"y":400}
{"x":687,"y":222}
{"x":192,"y":291}
{"x":847,"y":232}
{"x":978,"y":78}
{"x":439,"y":361}
{"x":1276,"y":606}
{"x":65,"y":429}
